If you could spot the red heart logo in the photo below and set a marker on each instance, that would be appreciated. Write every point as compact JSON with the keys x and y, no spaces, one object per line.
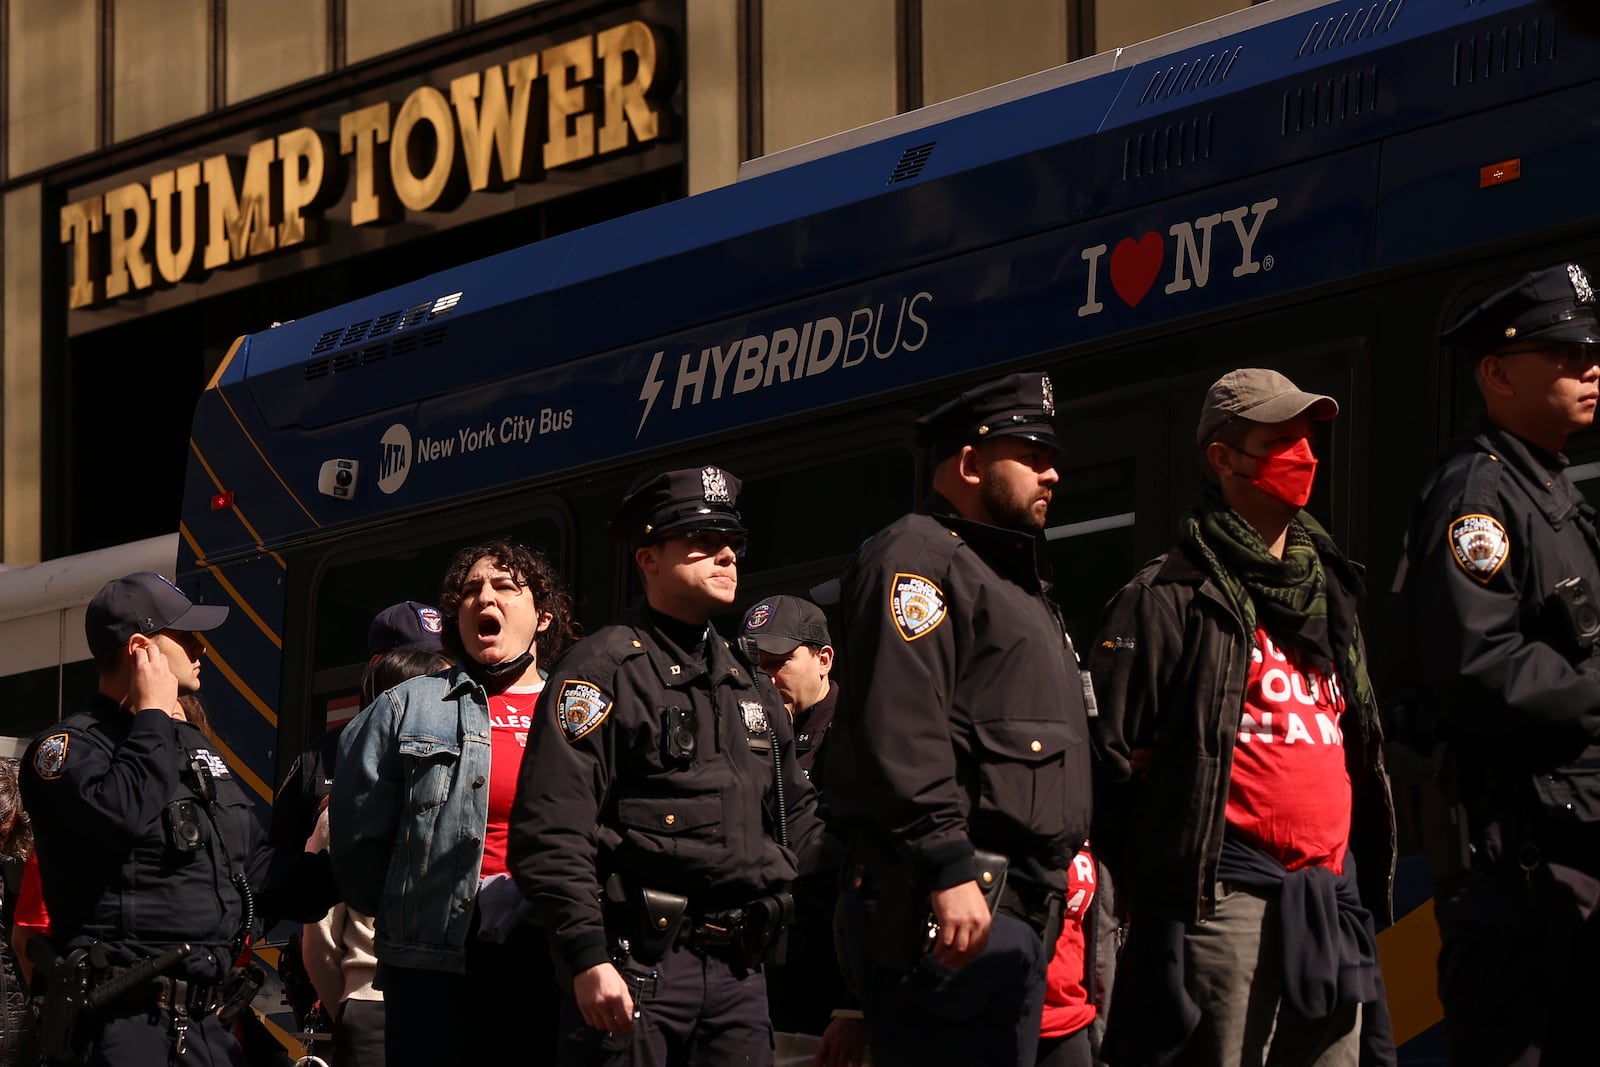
{"x":1134,"y":266}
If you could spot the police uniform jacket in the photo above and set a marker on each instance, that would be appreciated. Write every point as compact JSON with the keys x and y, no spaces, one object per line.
{"x":97,"y":787}
{"x":962,"y":720}
{"x":1496,"y":528}
{"x":611,"y":784}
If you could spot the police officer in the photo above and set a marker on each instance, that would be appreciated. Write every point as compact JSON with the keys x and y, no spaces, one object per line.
{"x":661,"y":811}
{"x":147,"y":845}
{"x":1503,"y":570}
{"x":957,"y":764}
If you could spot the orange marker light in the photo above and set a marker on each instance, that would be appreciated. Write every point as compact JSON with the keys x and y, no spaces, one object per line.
{"x":1499,"y":173}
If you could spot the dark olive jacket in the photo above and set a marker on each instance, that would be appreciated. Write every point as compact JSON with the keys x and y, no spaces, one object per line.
{"x":1170,"y":667}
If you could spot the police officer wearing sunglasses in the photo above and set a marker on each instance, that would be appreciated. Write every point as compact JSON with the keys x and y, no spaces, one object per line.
{"x":1503,"y":572}
{"x":661,"y":811}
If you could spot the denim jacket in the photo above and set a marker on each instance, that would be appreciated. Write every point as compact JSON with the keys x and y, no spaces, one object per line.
{"x":407,"y":815}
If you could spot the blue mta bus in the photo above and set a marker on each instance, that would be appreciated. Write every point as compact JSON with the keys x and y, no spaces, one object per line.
{"x":1315,"y":187}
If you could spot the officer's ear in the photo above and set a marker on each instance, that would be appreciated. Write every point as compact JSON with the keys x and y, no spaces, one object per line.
{"x":969,"y":465}
{"x":1494,"y":376}
{"x":825,"y":658}
{"x":648,"y":559}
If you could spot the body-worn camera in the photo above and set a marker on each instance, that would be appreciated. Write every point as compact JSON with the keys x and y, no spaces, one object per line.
{"x":185,"y":824}
{"x":679,"y":727}
{"x":1582,"y":613}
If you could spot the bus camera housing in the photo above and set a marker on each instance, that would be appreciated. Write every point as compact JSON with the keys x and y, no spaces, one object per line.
{"x":338,"y":478}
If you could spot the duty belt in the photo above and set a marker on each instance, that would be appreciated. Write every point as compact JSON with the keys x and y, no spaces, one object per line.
{"x":751,"y":930}
{"x":196,"y":999}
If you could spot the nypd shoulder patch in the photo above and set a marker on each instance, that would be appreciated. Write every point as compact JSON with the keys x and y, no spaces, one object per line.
{"x":916,"y":604}
{"x":581,"y":707}
{"x":1479,"y":545}
{"x":51,"y":756}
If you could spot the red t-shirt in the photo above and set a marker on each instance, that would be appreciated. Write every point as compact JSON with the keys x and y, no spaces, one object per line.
{"x":1066,"y":1003}
{"x":510,"y":715}
{"x":1290,"y":790}
{"x":30,"y":898}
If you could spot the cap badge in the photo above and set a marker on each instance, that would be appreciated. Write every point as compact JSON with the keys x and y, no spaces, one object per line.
{"x":917,"y":605}
{"x":1480,"y":545}
{"x":759,"y":616}
{"x":1580,"y":284}
{"x":50,"y":757}
{"x":580,"y":707}
{"x":714,"y":486}
{"x":430,"y":620}
{"x":1049,"y":395}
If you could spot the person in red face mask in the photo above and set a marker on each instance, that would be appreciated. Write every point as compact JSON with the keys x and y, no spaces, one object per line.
{"x":1241,"y":766}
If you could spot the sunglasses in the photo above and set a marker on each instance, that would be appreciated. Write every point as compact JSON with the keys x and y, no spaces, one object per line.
{"x":711,"y":542}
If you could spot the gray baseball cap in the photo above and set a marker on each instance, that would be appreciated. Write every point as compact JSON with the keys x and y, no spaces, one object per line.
{"x":1260,"y":396}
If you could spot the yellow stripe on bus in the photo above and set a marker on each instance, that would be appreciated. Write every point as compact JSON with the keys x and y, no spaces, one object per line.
{"x":223,"y":396}
{"x":246,"y":775}
{"x":244,"y":690}
{"x":1409,"y":954}
{"x":251,"y":530}
{"x":233,"y":593}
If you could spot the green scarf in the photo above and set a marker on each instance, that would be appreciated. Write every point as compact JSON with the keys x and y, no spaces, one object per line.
{"x":1293,"y":597}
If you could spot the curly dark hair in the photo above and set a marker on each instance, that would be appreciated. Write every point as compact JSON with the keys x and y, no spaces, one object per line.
{"x":534,"y":573}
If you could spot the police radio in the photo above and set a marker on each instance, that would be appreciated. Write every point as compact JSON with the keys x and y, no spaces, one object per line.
{"x":1582,"y":613}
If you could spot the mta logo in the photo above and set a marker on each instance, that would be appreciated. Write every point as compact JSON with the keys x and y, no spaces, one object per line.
{"x":394,"y":457}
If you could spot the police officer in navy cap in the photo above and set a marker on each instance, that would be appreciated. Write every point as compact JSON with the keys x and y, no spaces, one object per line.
{"x":661,"y":811}
{"x":1501,"y":581}
{"x":151,"y":860}
{"x":961,"y":707}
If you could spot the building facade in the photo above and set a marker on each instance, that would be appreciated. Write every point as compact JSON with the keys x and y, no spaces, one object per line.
{"x":177,"y":173}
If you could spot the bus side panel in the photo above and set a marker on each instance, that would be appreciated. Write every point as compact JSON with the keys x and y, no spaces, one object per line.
{"x":240,"y":676}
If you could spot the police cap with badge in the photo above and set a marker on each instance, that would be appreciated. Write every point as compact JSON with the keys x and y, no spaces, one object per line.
{"x":1018,"y":405}
{"x":657,"y":506}
{"x":1554,"y":306}
{"x":780,"y":624}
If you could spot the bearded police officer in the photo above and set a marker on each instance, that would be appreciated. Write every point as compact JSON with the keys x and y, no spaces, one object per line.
{"x":148,"y":848}
{"x":661,"y":811}
{"x":958,"y":766}
{"x":1503,"y":572}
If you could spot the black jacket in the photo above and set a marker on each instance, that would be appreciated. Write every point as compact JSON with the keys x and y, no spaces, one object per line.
{"x":1496,"y":528}
{"x":1170,"y":669}
{"x":609,"y":786}
{"x":100,"y":787}
{"x":962,"y":720}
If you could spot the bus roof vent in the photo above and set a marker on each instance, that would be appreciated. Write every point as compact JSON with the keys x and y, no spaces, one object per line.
{"x":1511,"y":49}
{"x":392,"y":322}
{"x":1357,"y":24}
{"x":1330,"y":100}
{"x":1194,"y":73}
{"x":1167,"y":147}
{"x":911,"y":163}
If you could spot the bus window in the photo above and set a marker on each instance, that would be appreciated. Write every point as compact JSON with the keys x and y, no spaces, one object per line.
{"x":800,"y":515}
{"x":1090,"y":544}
